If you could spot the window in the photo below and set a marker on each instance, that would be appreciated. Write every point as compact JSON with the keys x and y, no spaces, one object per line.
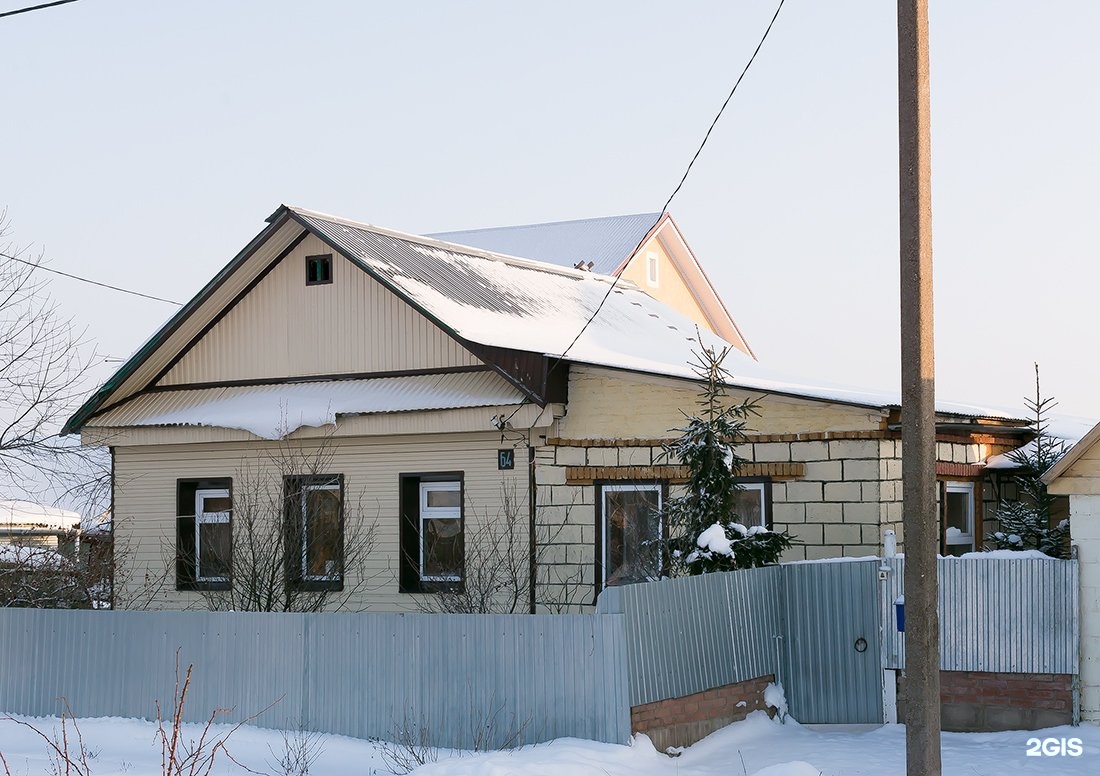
{"x":753,"y":503}
{"x":957,"y":516}
{"x":652,"y":268}
{"x":204,"y":534}
{"x":315,"y":531}
{"x":318,"y":269}
{"x":631,"y":533}
{"x":432,"y":532}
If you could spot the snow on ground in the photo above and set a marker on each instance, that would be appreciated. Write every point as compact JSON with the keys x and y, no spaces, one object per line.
{"x":756,"y":747}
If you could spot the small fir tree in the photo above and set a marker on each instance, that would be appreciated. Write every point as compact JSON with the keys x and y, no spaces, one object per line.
{"x":1025,"y":522}
{"x":705,"y":532}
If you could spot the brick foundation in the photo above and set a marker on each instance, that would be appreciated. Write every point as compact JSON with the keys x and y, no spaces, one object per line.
{"x":973,"y":701}
{"x":690,"y":718}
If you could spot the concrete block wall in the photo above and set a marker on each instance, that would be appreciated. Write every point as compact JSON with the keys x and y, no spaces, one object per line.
{"x":691,"y":718}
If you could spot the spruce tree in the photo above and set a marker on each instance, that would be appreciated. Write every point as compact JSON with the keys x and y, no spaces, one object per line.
{"x":706,"y":534}
{"x":1025,"y":522}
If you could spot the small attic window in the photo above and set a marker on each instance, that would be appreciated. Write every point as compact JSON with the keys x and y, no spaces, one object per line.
{"x":318,"y":269}
{"x":652,"y":267}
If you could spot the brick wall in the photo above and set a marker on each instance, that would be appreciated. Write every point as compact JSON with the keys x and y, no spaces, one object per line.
{"x":690,"y":718}
{"x":972,"y":701}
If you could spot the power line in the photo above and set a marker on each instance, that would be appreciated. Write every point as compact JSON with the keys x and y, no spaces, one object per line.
{"x":668,"y":201}
{"x":683,"y":178}
{"x":87,"y":280}
{"x":35,"y":8}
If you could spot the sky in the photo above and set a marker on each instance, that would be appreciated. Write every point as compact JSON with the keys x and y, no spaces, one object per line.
{"x":143,"y":145}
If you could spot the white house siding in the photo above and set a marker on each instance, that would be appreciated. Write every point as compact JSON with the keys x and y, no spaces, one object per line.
{"x":284,"y":328}
{"x":145,"y":502}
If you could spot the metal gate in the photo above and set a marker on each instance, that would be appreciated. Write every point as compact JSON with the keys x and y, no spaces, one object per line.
{"x":831,"y":642}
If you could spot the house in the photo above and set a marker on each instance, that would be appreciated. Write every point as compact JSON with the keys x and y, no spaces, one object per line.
{"x":336,"y":375}
{"x":1077,"y":475}
{"x":38,"y":556}
{"x":646,"y":248}
{"x":26,"y":524}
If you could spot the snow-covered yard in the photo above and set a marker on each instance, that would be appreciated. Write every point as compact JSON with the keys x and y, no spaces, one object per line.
{"x":756,"y":747}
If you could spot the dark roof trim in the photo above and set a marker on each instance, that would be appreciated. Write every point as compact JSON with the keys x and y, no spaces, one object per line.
{"x":443,"y":370}
{"x":93,"y":404}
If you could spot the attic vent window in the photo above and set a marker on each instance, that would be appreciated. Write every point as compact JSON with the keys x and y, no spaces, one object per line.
{"x":318,"y":269}
{"x":652,"y":266}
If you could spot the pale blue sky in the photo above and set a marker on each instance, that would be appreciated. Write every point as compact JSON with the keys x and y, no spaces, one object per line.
{"x":145,"y":142}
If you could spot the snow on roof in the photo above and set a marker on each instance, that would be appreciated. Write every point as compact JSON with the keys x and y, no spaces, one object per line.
{"x":31,"y":557}
{"x":606,"y":242}
{"x":26,"y":514}
{"x":1068,"y":428}
{"x":271,"y":411}
{"x":508,"y":302}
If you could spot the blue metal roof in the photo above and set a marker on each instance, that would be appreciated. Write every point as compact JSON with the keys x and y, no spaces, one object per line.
{"x":606,"y":242}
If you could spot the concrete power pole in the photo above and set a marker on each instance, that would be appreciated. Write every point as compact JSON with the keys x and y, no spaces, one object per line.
{"x":918,"y":424}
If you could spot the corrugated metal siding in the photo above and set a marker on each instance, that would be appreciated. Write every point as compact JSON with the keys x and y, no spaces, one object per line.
{"x":606,"y":242}
{"x":688,"y":635}
{"x":223,"y":407}
{"x":828,"y":607}
{"x":284,"y":328}
{"x":996,"y":614}
{"x":360,"y":675}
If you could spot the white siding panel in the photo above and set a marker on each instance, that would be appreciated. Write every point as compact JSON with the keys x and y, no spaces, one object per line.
{"x":145,"y":503}
{"x":284,"y":328}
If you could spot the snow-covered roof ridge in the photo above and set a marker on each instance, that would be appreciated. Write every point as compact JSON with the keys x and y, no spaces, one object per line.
{"x":471,"y":250}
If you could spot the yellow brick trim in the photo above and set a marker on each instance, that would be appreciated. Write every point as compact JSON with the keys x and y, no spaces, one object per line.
{"x":586,"y":475}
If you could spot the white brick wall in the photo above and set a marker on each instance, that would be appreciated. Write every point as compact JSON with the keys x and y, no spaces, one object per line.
{"x":1085,"y":533}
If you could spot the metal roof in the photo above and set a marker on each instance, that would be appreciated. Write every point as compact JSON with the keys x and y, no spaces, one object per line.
{"x":606,"y":242}
{"x":276,"y":409}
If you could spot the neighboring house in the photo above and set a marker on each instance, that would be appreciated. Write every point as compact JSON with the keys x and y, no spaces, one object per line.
{"x":1077,"y":475}
{"x":26,"y":524}
{"x":646,"y":248}
{"x":446,"y":388}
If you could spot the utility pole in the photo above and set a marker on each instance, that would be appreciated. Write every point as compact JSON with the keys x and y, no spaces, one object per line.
{"x":918,"y":421}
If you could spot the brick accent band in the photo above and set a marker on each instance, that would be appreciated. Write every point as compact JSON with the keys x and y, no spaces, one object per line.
{"x":690,"y":718}
{"x":586,"y":475}
{"x":959,"y":469}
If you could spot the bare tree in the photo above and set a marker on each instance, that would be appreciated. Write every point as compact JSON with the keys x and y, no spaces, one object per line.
{"x":44,"y":369}
{"x":497,"y":565}
{"x":296,"y":542}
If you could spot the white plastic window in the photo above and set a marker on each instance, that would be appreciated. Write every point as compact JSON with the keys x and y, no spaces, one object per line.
{"x":213,"y":538}
{"x":441,"y":531}
{"x":958,"y":517}
{"x":320,"y":508}
{"x":751,"y":505}
{"x":632,"y":534}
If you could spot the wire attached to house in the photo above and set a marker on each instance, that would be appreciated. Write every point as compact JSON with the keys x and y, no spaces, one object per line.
{"x":664,"y":208}
{"x":87,"y":280}
{"x":35,"y":8}
{"x":683,"y":178}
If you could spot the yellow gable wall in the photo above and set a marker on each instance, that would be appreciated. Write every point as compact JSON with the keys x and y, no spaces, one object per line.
{"x":606,"y":404}
{"x":1082,"y":477}
{"x":671,"y":288}
{"x":284,"y":328}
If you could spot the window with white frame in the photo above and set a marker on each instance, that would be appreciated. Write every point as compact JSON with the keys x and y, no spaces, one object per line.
{"x":213,"y":537}
{"x":441,"y":554}
{"x":315,"y":531}
{"x":631,"y":533}
{"x":204,"y":533}
{"x":957,"y":513}
{"x":751,"y":503}
{"x":652,"y":270}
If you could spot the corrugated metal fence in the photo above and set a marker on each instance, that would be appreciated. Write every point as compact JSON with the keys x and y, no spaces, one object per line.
{"x":500,"y":679}
{"x":996,"y":614}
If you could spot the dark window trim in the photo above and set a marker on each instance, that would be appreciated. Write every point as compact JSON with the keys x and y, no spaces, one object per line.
{"x":324,"y":260}
{"x":767,"y":482}
{"x":186,"y":572}
{"x":599,"y":485}
{"x":292,"y":527}
{"x":408,"y":578}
